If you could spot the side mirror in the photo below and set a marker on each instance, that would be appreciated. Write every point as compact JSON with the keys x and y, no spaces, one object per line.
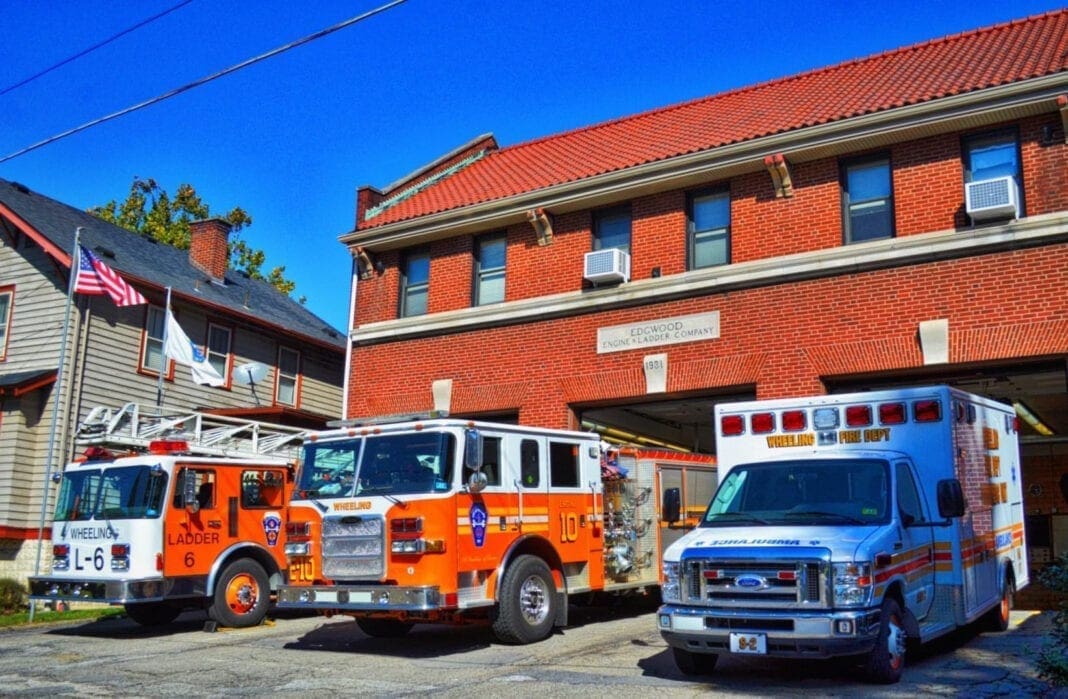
{"x":950,"y":499}
{"x":476,"y":482}
{"x":671,"y":507}
{"x":472,"y":449}
{"x":189,"y":490}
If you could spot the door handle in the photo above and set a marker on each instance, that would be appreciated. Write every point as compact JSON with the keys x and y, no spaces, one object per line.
{"x":898,"y":545}
{"x":215,"y":523}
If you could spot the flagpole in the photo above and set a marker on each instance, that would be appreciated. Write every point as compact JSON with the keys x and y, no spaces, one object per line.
{"x":75,"y":259}
{"x":163,"y":354}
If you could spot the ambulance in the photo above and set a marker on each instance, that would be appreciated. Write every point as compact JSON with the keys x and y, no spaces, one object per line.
{"x":160,"y":524}
{"x":399,"y":521}
{"x":846,"y":525}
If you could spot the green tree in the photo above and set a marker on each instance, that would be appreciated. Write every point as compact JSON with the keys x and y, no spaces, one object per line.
{"x":150,"y":211}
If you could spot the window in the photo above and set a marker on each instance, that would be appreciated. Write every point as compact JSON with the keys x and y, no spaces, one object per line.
{"x":529,"y":463}
{"x":288,"y":376}
{"x":415,"y":282}
{"x":563,"y":465}
{"x":491,"y":461}
{"x":908,"y":499}
{"x":264,"y":489}
{"x":992,"y":155}
{"x":709,"y":229}
{"x":611,"y":229}
{"x":489,"y":269}
{"x":7,"y":298}
{"x":152,"y":344}
{"x":867,"y":199}
{"x":219,"y":350}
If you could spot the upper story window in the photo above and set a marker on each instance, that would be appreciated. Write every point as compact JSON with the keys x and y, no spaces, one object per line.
{"x":415,"y":283}
{"x":152,"y":342}
{"x":7,"y":299}
{"x":288,"y":385}
{"x":991,"y":155}
{"x":709,"y":229}
{"x":611,"y":229}
{"x":219,"y":349}
{"x":489,"y":269}
{"x":867,"y":199}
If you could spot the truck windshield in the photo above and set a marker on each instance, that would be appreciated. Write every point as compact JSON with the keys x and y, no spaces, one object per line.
{"x":391,"y":464}
{"x":802,"y":492}
{"x":123,"y":492}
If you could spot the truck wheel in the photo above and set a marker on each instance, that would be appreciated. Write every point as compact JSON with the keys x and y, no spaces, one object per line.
{"x":694,"y":663}
{"x":527,"y":605}
{"x":152,"y":613}
{"x":887,"y":658}
{"x":997,"y":619}
{"x":384,"y":628}
{"x":242,"y":594}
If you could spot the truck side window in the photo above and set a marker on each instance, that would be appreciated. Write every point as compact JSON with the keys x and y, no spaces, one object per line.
{"x":491,"y":461}
{"x":529,"y":465}
{"x":563,"y":465}
{"x":908,"y":499}
{"x":205,"y":489}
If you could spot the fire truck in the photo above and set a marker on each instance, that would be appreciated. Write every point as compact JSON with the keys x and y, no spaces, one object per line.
{"x":165,"y":512}
{"x":845,"y":525}
{"x":437,"y":520}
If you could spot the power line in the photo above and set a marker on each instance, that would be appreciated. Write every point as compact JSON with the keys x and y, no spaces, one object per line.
{"x":203,"y":81}
{"x":105,"y":42}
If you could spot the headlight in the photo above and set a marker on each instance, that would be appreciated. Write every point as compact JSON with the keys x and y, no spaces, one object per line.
{"x":852,"y":584}
{"x":670,"y":590}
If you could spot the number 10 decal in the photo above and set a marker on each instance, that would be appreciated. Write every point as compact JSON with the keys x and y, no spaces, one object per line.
{"x":568,"y":527}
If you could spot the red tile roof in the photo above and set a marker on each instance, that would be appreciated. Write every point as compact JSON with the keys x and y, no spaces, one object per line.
{"x":998,"y":55}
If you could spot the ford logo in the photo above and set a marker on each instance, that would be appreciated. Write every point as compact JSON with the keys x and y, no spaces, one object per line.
{"x":750,"y":581}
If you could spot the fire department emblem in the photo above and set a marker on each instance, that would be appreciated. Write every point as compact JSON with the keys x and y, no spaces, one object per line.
{"x":272,"y":526}
{"x":479,"y":517}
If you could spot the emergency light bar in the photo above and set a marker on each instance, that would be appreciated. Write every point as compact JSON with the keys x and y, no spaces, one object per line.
{"x":830,"y":417}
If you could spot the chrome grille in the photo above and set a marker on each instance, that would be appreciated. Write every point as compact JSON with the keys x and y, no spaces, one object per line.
{"x":757,"y":583}
{"x":354,"y":548}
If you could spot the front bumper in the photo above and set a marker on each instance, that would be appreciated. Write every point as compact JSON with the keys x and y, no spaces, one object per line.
{"x":108,"y":591}
{"x":787,"y":634}
{"x":359,"y":598}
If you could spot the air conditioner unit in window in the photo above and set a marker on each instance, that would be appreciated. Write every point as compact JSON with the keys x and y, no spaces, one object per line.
{"x":993,"y":198}
{"x":608,"y":265}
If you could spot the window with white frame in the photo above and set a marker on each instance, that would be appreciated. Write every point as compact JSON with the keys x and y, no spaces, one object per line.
{"x":288,"y":376}
{"x":152,"y":341}
{"x":219,"y":349}
{"x":415,"y":283}
{"x":709,"y":228}
{"x":7,"y":299}
{"x":489,"y":269}
{"x":867,"y":199}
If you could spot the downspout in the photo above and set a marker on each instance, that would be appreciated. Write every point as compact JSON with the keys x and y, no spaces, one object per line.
{"x":348,"y":340}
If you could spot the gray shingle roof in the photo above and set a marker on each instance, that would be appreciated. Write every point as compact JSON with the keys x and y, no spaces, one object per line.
{"x":146,"y":263}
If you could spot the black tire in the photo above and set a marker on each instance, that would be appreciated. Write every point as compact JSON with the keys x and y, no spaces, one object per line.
{"x":152,"y":613}
{"x":887,"y":659}
{"x":242,"y":595}
{"x":694,"y":663}
{"x":997,"y":619}
{"x":384,"y":628}
{"x":526,"y":609}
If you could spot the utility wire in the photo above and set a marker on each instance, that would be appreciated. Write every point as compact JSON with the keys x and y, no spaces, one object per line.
{"x":105,"y":42}
{"x":197,"y":83}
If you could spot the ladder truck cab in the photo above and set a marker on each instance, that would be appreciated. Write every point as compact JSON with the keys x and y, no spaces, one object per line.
{"x":845,"y":525}
{"x":452,"y":521}
{"x":189,"y":514}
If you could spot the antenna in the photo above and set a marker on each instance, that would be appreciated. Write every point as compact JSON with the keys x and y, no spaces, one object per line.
{"x":248,"y":374}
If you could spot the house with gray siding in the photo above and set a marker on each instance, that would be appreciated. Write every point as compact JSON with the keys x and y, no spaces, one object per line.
{"x":114,"y":354}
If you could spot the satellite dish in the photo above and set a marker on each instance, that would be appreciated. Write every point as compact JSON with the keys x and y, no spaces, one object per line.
{"x":248,"y":374}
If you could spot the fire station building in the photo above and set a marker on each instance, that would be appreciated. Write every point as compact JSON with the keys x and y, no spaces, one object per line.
{"x":895,"y":220}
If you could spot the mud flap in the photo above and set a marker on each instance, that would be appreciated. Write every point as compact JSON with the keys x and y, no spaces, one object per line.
{"x":561,"y":609}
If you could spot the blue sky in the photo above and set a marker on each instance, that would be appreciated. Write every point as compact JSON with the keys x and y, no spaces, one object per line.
{"x":290,"y":139}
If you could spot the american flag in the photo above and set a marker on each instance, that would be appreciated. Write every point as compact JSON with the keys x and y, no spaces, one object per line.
{"x":95,"y":277}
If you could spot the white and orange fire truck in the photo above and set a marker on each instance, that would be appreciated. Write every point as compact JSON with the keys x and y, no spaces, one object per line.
{"x":453,"y":521}
{"x":169,"y":512}
{"x":845,"y":524}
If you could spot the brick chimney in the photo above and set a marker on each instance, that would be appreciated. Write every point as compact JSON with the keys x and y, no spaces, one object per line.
{"x":208,"y":247}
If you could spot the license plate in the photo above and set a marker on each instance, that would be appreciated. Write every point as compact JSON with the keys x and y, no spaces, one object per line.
{"x":753,"y":643}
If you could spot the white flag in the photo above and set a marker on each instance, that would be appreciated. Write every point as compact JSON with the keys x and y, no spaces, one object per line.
{"x":182,"y":350}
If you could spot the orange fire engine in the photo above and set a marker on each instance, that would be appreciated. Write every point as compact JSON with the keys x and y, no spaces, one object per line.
{"x":444,"y":520}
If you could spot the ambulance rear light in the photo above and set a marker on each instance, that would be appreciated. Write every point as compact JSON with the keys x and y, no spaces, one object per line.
{"x":825,"y":418}
{"x":927,"y":411}
{"x":60,"y":560}
{"x":892,"y":414}
{"x":794,"y":421}
{"x":858,"y":415}
{"x":120,"y":557}
{"x":762,"y":423}
{"x":732,"y":425}
{"x":168,"y":446}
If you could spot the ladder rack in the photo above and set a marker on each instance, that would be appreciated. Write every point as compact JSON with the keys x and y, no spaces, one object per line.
{"x":134,"y":426}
